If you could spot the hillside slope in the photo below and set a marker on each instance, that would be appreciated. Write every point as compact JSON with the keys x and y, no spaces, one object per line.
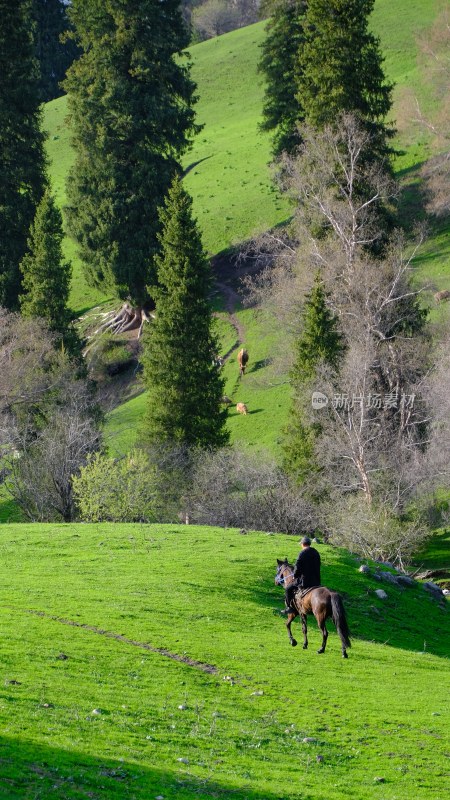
{"x":144,"y":661}
{"x":229,"y":179}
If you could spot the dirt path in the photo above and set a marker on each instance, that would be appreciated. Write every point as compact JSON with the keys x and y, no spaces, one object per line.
{"x":119,"y":637}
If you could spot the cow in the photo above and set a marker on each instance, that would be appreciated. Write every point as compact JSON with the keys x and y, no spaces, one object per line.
{"x":242,"y":360}
{"x":443,"y":295}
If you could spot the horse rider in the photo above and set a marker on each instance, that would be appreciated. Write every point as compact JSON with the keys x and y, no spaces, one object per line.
{"x":306,"y":571}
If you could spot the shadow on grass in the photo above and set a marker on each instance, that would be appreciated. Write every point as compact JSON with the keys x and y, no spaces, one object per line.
{"x":29,"y":770}
{"x":194,"y":164}
{"x":261,"y":364}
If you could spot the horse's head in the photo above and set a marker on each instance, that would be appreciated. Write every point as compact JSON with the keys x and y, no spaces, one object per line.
{"x":285,"y":573}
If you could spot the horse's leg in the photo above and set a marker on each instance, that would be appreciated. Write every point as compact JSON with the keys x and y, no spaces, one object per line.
{"x":323,"y":628}
{"x":290,"y":619}
{"x":305,"y":632}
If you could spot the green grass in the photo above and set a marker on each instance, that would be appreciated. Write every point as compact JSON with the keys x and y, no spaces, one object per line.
{"x":436,"y":554}
{"x":208,"y":594}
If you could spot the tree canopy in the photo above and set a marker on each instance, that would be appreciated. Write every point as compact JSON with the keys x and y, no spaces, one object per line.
{"x":22,"y":160}
{"x":130,"y":103}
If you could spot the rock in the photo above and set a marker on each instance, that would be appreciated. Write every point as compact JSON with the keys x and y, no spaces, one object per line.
{"x":319,"y":759}
{"x":433,"y":588}
{"x":375,"y":609}
{"x":96,"y":711}
{"x":381,"y":594}
{"x":183,"y":760}
{"x":405,"y":580}
{"x":182,"y":708}
{"x":258,"y":694}
{"x":62,"y":657}
{"x":446,"y":592}
{"x":388,"y":577}
{"x":364,"y":569}
{"x":159,"y":797}
{"x":379,"y":780}
{"x":309,"y":740}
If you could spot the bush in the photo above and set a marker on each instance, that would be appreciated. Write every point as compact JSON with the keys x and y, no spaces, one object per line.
{"x":375,"y":531}
{"x":117,"y":490}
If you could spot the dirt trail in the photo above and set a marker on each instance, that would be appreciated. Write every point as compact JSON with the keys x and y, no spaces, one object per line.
{"x":190,"y":662}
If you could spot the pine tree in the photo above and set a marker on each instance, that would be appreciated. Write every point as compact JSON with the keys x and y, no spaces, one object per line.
{"x":341,"y":69}
{"x":46,"y":278}
{"x":22,"y":160}
{"x":130,"y":103}
{"x":320,"y":342}
{"x":280,"y":64}
{"x":184,"y":385}
{"x":55,"y":55}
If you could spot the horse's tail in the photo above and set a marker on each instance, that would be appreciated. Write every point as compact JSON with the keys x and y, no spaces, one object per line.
{"x":339,"y":618}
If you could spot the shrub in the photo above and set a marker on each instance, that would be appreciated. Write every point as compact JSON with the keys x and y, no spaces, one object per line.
{"x":117,"y":490}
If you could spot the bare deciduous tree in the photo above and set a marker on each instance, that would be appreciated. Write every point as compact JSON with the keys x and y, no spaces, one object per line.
{"x":232,"y":488}
{"x":40,"y":469}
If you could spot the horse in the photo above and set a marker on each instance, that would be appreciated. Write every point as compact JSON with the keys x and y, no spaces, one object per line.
{"x":242,"y":360}
{"x":321,"y":602}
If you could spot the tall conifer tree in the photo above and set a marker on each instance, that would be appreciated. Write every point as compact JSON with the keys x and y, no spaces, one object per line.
{"x":280,"y":64}
{"x":46,"y":277}
{"x":184,"y":384}
{"x":22,"y":160}
{"x":320,"y":342}
{"x":341,"y":69}
{"x":54,"y":54}
{"x":130,"y":103}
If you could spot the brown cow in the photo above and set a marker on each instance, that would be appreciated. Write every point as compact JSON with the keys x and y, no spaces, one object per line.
{"x":243,"y":360}
{"x":443,"y":295}
{"x":241,"y":408}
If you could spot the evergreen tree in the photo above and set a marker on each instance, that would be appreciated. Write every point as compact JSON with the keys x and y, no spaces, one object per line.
{"x":320,"y":342}
{"x":54,"y":55}
{"x":22,"y":160}
{"x":281,"y":66}
{"x":184,"y":385}
{"x":46,"y":278}
{"x":341,"y":69}
{"x":130,"y":102}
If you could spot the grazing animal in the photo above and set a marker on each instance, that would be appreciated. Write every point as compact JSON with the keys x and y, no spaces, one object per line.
{"x":226,"y":401}
{"x":443,"y":295}
{"x":241,"y":408}
{"x":321,"y":602}
{"x":243,"y":361}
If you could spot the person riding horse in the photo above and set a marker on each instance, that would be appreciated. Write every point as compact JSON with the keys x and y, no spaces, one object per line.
{"x":306,"y":571}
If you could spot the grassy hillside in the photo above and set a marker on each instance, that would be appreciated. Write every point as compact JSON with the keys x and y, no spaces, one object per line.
{"x":228,"y":175}
{"x":94,"y":702}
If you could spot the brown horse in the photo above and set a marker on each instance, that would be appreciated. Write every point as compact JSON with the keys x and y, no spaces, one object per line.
{"x":321,"y":602}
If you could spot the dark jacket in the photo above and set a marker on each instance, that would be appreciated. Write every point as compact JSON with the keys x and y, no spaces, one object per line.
{"x":307,"y":568}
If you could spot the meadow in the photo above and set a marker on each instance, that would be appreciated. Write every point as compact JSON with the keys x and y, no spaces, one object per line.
{"x":151,"y":661}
